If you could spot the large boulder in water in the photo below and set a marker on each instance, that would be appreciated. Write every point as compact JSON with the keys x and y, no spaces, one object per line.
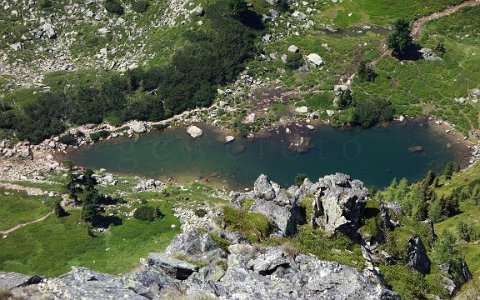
{"x":194,"y":131}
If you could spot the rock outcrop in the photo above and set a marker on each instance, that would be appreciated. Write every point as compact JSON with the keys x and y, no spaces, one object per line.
{"x":417,"y":256}
{"x":249,"y":272}
{"x":195,"y":266}
{"x":338,"y":203}
{"x":275,"y":203}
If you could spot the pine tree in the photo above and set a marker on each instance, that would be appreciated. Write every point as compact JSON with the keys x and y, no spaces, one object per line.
{"x":400,"y":39}
{"x":59,"y":210}
{"x":448,"y":172}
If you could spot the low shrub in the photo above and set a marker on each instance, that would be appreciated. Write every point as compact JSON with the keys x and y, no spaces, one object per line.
{"x":96,"y":136}
{"x":221,"y":242}
{"x":255,"y":226}
{"x":295,"y":61}
{"x":140,"y":6}
{"x":368,"y":112}
{"x":114,"y":7}
{"x":147,"y":213}
{"x":68,"y":139}
{"x":200,"y":212}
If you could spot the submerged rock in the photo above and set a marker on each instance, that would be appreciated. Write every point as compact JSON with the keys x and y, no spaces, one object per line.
{"x":229,"y":139}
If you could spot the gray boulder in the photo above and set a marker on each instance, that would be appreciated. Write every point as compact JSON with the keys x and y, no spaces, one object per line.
{"x":339,"y":202}
{"x":10,"y":280}
{"x":82,"y":283}
{"x":263,"y":188}
{"x":196,"y":246}
{"x":173,"y":267}
{"x":275,"y":275}
{"x":277,"y":204}
{"x":417,"y":256}
{"x":385,"y":224}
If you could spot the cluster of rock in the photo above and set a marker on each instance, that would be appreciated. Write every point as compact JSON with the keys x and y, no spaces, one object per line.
{"x":337,"y":203}
{"x":242,"y":272}
{"x":429,"y":54}
{"x":53,"y":33}
{"x":149,"y":185}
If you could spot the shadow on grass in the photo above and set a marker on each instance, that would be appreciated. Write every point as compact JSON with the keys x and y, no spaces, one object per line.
{"x":107,"y":221}
{"x":412,"y":53}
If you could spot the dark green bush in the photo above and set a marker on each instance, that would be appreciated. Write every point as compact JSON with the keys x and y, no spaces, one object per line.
{"x":400,"y":39}
{"x":68,"y":139}
{"x":300,"y":178}
{"x":295,"y":61}
{"x":200,"y":212}
{"x":99,"y":134}
{"x":371,"y":111}
{"x":114,"y":7}
{"x":140,"y":6}
{"x":147,"y":213}
{"x":366,"y":73}
{"x":44,"y":4}
{"x":345,"y":99}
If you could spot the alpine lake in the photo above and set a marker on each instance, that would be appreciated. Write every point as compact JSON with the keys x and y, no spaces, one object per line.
{"x":375,"y":156}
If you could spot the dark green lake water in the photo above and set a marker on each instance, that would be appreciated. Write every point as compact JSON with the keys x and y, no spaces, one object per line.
{"x":374,"y":156}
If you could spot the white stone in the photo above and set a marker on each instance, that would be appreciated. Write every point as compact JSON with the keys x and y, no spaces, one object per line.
{"x":301,"y":109}
{"x":16,"y":46}
{"x":138,"y":127}
{"x":315,"y":59}
{"x":229,"y":139}
{"x":293,"y":49}
{"x":194,"y":131}
{"x":251,"y":117}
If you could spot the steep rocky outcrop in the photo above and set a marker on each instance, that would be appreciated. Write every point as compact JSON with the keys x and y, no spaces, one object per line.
{"x":417,"y":256}
{"x":277,"y":204}
{"x":338,"y":203}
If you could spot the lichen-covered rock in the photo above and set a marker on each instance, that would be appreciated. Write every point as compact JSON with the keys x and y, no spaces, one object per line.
{"x":385,"y":222}
{"x":263,"y":188}
{"x":82,"y":283}
{"x":277,"y":204}
{"x":251,"y":272}
{"x":10,"y":280}
{"x":173,"y":267}
{"x":339,"y":202}
{"x":199,"y":246}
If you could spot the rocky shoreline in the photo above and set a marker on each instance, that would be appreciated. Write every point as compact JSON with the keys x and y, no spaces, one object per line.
{"x":23,"y":161}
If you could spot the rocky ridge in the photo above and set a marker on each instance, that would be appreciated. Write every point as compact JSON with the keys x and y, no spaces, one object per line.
{"x":196,"y":265}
